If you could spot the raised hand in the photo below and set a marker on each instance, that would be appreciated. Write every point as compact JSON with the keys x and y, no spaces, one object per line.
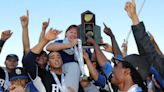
{"x":6,"y":35}
{"x":52,"y":34}
{"x":90,"y":40}
{"x":25,"y":19}
{"x":73,"y":42}
{"x":130,"y":8}
{"x":108,"y":31}
{"x":107,"y":47}
{"x":45,"y":24}
{"x":124,"y":47}
{"x":124,"y":44}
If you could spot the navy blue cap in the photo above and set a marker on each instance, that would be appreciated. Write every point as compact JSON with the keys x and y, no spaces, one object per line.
{"x":18,"y":73}
{"x":138,"y":62}
{"x":12,"y":56}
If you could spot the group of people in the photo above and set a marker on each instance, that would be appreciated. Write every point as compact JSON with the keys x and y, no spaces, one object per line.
{"x":58,"y":69}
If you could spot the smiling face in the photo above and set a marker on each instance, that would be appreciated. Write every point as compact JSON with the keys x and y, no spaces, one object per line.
{"x":71,"y":33}
{"x":55,"y":60}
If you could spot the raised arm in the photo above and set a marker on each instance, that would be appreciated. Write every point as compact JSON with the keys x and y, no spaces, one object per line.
{"x":50,"y":35}
{"x":99,"y":79}
{"x":44,"y":27}
{"x":91,"y":68}
{"x":101,"y":58}
{"x":4,"y":36}
{"x":115,"y":48}
{"x":130,"y":8}
{"x":25,"y":36}
{"x":29,"y":59}
{"x":155,"y":44}
{"x":98,"y":53}
{"x":124,"y":48}
{"x":143,"y":41}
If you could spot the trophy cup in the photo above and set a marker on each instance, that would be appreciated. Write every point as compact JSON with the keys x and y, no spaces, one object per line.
{"x":88,"y":27}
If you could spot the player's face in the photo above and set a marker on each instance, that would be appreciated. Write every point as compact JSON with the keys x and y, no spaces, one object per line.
{"x":55,"y":60}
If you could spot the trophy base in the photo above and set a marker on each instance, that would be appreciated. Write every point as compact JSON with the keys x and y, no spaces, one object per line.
{"x":91,"y":46}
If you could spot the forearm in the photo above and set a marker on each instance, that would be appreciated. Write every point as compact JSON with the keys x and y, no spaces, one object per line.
{"x":42,"y":34}
{"x":2,"y":42}
{"x":29,"y":64}
{"x":25,"y":39}
{"x":150,"y":52}
{"x":92,"y":70}
{"x":115,"y":48}
{"x":57,"y":46}
{"x":124,"y":52}
{"x":156,"y":47}
{"x":39,"y":47}
{"x":99,"y":55}
{"x":135,"y":19}
{"x":142,"y":39}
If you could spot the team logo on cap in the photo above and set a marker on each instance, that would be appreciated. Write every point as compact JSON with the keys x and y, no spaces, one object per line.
{"x":18,"y":71}
{"x":137,"y":68}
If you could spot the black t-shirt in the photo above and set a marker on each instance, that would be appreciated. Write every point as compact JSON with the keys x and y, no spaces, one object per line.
{"x":46,"y":77}
{"x":48,"y":80}
{"x":2,"y":78}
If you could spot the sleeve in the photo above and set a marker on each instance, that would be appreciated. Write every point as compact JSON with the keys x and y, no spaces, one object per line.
{"x":38,"y":84}
{"x":1,"y":44}
{"x":101,"y":81}
{"x":30,"y":65}
{"x":148,"y":51}
{"x":107,"y":69}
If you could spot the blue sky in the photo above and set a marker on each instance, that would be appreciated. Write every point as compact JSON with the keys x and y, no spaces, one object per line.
{"x":63,"y":13}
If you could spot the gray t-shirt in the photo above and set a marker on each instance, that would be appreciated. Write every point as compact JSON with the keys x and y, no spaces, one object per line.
{"x":91,"y":88}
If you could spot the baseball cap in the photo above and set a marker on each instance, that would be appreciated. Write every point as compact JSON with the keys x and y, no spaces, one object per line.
{"x":12,"y":56}
{"x":18,"y":73}
{"x":139,"y":63}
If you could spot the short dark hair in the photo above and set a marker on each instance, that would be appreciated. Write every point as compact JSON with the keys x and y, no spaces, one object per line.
{"x":136,"y":77}
{"x":72,"y":26}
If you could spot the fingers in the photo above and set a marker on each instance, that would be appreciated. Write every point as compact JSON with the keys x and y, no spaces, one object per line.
{"x":24,"y":19}
{"x":84,"y":51}
{"x":12,"y":87}
{"x":7,"y":32}
{"x":27,"y":14}
{"x":45,"y":24}
{"x":133,"y":2}
{"x":104,"y":25}
{"x":48,"y":21}
{"x":127,"y":5}
{"x":55,"y":31}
